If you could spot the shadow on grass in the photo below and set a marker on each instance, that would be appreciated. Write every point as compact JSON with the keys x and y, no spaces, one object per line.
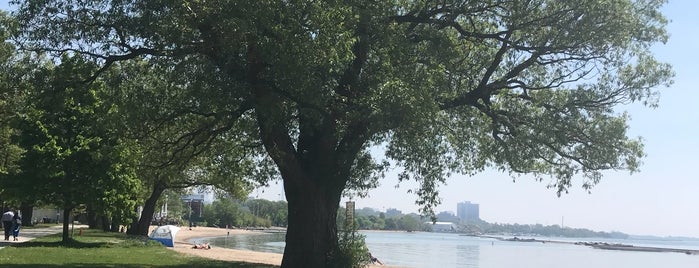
{"x":55,"y":244}
{"x":41,"y":226}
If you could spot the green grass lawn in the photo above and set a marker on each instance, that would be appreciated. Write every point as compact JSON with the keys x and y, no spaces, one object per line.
{"x":101,"y":249}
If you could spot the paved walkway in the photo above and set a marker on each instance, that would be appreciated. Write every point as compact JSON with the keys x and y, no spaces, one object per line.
{"x":29,"y":234}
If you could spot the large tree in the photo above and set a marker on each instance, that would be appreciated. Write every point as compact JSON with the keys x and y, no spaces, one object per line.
{"x":446,"y":86}
{"x":180,"y":144}
{"x":74,"y":152}
{"x":11,"y":76}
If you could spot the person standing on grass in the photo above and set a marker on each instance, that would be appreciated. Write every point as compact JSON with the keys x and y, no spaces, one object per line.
{"x":7,"y":223}
{"x":16,"y":223}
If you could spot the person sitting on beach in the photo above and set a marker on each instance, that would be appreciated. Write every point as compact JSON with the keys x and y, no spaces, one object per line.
{"x":202,"y":246}
{"x":374,"y":259}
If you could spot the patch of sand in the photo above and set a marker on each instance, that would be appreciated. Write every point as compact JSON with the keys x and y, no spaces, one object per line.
{"x":183,"y":245}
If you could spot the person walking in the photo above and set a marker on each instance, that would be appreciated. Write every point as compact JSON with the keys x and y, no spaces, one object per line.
{"x":7,"y":223}
{"x":16,"y":223}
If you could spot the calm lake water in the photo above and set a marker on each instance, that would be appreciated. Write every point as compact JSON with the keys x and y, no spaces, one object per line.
{"x":452,"y":250}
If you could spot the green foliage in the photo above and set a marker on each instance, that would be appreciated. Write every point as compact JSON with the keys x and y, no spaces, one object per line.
{"x":526,"y":87}
{"x":305,"y":89}
{"x":352,"y":250}
{"x":163,"y":114}
{"x":12,"y":68}
{"x":370,"y":219}
{"x":548,"y":230}
{"x":251,"y":213}
{"x":74,"y":151}
{"x":274,"y":211}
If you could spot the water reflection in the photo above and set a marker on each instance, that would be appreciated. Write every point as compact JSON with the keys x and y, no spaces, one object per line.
{"x":425,"y":249}
{"x":468,"y":256}
{"x":263,"y":242}
{"x":428,"y":250}
{"x":400,"y":249}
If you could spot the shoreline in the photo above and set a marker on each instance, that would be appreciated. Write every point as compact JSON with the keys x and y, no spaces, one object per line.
{"x":183,"y":245}
{"x":598,"y":245}
{"x":184,"y":238}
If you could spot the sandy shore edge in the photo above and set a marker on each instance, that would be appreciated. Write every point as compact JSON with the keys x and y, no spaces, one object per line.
{"x":185,"y":235}
{"x":183,"y":245}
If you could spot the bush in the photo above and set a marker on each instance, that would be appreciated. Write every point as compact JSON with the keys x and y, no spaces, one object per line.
{"x":352,"y":250}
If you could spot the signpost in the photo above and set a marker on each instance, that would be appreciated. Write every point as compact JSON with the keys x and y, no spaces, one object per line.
{"x":349,"y":213}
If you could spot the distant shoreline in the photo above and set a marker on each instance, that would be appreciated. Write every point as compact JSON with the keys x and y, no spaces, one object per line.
{"x":387,"y":231}
{"x":597,"y":245}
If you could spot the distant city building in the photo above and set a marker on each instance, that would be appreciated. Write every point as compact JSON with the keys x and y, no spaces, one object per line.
{"x":468,"y":212}
{"x":195,"y":202}
{"x":441,"y":226}
{"x":448,"y":216}
{"x":207,"y":193}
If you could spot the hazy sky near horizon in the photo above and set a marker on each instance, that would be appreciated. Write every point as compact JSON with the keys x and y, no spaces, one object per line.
{"x":662,"y":199}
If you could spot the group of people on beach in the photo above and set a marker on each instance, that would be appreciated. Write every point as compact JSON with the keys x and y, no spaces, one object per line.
{"x":11,"y":222}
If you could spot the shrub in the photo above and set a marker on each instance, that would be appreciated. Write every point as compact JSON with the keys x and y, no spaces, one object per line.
{"x":352,"y":250}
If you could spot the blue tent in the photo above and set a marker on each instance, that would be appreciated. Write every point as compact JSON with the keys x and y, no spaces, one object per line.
{"x":165,"y":234}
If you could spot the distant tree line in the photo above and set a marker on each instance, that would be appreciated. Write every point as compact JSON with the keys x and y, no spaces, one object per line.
{"x":228,"y":212}
{"x":371,"y":219}
{"x":543,"y":230}
{"x":394,"y":220}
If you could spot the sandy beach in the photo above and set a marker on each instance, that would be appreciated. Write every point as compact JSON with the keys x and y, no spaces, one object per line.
{"x":183,"y":245}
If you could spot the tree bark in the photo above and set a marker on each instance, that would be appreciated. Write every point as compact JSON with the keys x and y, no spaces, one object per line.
{"x":105,"y":223}
{"x":311,"y":237}
{"x":93,"y":220}
{"x":315,"y":169}
{"x":141,"y":228}
{"x":133,"y":226}
{"x":66,"y":222}
{"x":115,"y":226}
{"x":27,"y":213}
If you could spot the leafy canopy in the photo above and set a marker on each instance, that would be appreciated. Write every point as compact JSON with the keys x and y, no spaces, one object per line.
{"x":450,"y":86}
{"x":74,"y":151}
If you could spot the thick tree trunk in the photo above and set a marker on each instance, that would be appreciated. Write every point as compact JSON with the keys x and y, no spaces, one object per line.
{"x":93,"y":221}
{"x":115,"y":225}
{"x":148,"y":210}
{"x":315,"y":169}
{"x":66,"y":222}
{"x":105,"y":223}
{"x":311,"y":237}
{"x":133,"y":227}
{"x":27,"y":210}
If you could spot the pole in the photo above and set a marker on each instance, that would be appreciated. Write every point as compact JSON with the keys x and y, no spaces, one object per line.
{"x":561,"y":222}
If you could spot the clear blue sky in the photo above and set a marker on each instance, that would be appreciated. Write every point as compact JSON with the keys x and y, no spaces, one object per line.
{"x":663,"y":199}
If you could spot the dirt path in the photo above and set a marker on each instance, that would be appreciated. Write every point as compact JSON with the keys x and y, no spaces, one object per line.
{"x":26,"y":234}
